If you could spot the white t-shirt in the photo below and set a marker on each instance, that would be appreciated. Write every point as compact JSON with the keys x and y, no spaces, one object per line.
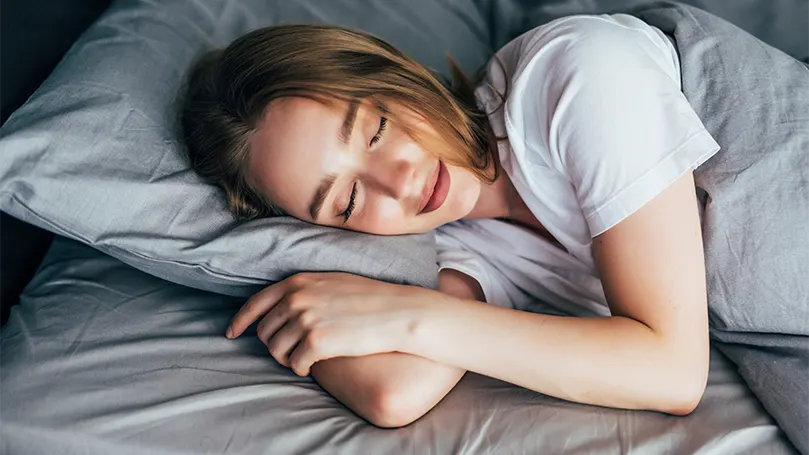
{"x":597,"y":126}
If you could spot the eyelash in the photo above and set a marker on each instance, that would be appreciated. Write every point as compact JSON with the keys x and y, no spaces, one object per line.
{"x":383,"y":122}
{"x":350,"y":208}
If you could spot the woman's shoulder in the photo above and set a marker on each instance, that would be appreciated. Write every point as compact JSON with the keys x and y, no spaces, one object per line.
{"x":542,"y":69}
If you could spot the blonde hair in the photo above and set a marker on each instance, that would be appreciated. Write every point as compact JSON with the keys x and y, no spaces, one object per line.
{"x":228,"y":90}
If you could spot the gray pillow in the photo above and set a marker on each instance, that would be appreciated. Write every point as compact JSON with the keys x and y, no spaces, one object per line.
{"x":93,"y":154}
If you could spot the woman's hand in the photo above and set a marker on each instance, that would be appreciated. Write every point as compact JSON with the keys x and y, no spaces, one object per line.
{"x":311,"y":317}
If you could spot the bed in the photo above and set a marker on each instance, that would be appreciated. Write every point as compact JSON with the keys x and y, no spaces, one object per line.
{"x":102,"y":358}
{"x":105,"y":356}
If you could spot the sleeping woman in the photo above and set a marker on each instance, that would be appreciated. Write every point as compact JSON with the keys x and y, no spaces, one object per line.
{"x":562,"y":173}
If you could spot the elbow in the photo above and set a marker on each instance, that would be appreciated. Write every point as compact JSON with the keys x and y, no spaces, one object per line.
{"x":682,"y":376}
{"x":685,"y":394}
{"x":683,"y":405}
{"x":394,"y":409}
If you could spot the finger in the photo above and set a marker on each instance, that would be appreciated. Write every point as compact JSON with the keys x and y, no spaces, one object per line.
{"x":255,"y":307}
{"x":299,"y":362}
{"x":287,"y":309}
{"x":270,"y":324}
{"x":310,"y":349}
{"x":284,"y":341}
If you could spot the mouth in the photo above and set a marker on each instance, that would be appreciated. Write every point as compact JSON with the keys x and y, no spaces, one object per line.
{"x":436,"y":192}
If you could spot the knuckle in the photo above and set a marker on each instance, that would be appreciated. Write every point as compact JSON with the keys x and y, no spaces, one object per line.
{"x":315,"y":339}
{"x":300,"y":279}
{"x":307,"y":319}
{"x":296,"y":302}
{"x":260,"y":327}
{"x":253,"y":305}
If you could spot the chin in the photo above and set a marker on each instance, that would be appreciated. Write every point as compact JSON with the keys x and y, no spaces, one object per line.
{"x":448,"y":212}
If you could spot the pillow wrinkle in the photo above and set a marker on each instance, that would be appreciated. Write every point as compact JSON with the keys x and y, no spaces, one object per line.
{"x":95,"y":154}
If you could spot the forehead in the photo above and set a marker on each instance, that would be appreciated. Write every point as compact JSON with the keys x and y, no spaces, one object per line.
{"x":291,"y":150}
{"x":288,"y":114}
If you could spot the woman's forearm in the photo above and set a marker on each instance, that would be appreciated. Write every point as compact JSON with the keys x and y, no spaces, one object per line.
{"x":389,"y":390}
{"x":395,"y":388}
{"x":610,"y":361}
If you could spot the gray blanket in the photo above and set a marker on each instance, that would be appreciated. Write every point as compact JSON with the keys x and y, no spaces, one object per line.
{"x":754,"y":99}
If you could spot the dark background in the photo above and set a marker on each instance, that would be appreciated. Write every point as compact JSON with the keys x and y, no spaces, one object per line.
{"x":33,"y":37}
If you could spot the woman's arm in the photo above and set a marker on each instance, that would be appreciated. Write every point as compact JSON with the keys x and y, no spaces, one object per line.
{"x":389,"y":390}
{"x":394,"y":389}
{"x":651,"y":354}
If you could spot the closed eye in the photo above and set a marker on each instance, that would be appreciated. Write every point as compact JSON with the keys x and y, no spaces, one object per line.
{"x":347,"y":212}
{"x":383,"y":122}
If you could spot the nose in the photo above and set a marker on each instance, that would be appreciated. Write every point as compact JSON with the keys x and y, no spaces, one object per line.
{"x":394,"y":176}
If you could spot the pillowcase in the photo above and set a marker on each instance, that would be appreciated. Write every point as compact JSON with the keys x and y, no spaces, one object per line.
{"x":94,"y":154}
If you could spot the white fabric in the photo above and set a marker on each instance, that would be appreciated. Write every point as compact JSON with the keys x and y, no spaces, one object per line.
{"x":597,"y":126}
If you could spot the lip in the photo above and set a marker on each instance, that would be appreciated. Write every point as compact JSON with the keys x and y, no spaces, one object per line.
{"x":429,"y":187}
{"x":438,"y":190}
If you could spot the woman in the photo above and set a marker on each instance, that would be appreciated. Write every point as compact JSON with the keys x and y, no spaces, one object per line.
{"x":585,"y":174}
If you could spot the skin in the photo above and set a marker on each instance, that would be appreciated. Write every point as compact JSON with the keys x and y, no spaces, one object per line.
{"x":390,"y":174}
{"x":391,"y":352}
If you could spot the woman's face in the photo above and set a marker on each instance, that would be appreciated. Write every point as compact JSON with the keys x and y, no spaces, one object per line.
{"x":338,"y":166}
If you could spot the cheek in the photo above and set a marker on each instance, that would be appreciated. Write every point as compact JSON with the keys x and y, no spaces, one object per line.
{"x":383,"y":216}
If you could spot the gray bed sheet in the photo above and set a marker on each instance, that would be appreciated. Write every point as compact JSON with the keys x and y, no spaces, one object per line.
{"x":100,"y":358}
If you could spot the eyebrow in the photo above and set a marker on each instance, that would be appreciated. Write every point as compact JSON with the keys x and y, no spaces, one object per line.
{"x":320,"y":195}
{"x":325,"y":185}
{"x":348,"y":122}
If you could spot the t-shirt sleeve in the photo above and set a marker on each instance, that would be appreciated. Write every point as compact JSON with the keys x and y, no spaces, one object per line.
{"x":617,"y":124}
{"x":455,"y":254}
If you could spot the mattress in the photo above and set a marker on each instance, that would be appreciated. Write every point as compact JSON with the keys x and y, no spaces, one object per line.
{"x":100,"y":358}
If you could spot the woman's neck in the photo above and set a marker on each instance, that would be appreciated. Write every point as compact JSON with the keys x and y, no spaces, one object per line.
{"x":497,"y":200}
{"x":501,"y":200}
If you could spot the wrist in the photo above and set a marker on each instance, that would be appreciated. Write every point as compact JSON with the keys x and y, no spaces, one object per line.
{"x":423,"y":314}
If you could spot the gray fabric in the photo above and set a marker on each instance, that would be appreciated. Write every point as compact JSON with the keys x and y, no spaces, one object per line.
{"x":754,"y":100}
{"x":92,"y":155}
{"x":780,"y":23}
{"x":100,"y":358}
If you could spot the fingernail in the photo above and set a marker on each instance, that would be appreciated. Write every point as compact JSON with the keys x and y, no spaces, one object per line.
{"x":229,"y":332}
